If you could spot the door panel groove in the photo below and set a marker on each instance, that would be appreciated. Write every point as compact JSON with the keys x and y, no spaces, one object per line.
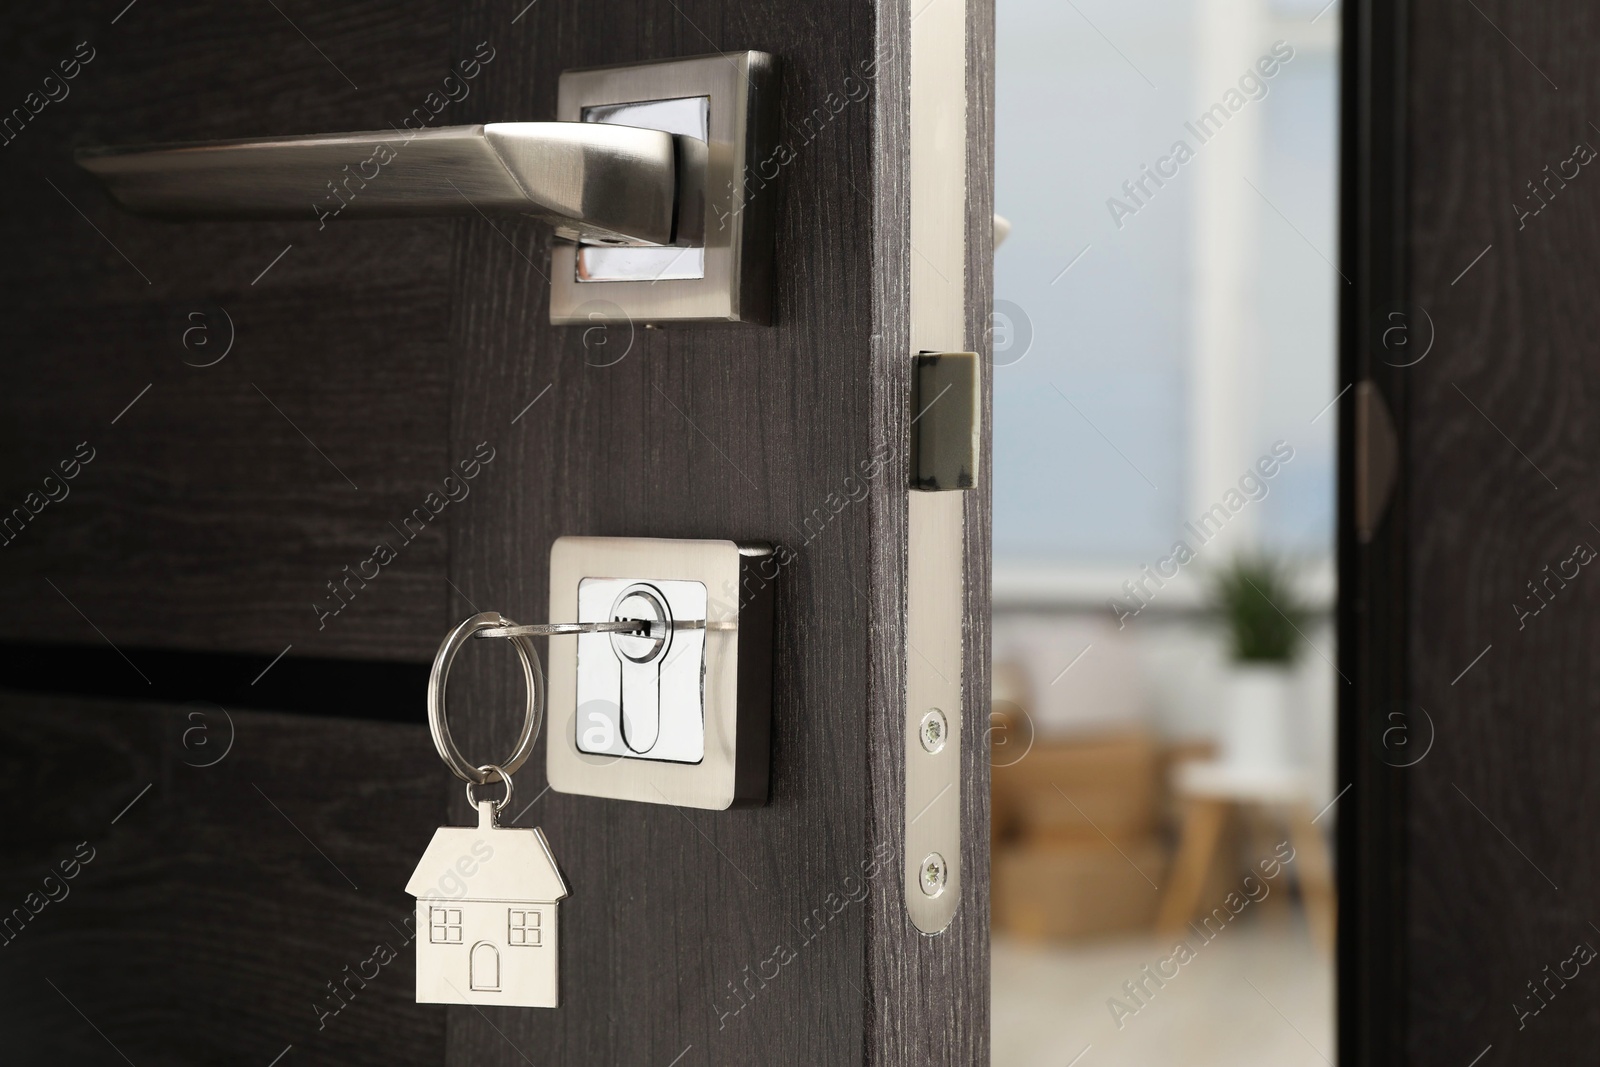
{"x":351,"y":689}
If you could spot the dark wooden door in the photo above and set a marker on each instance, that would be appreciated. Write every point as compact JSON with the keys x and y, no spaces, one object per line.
{"x":1472,"y":218}
{"x":216,"y":771}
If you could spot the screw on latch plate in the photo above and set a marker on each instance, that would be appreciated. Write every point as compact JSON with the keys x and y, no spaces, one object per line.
{"x":933,"y":874}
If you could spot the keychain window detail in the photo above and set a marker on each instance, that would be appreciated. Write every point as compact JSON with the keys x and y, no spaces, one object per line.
{"x":524,"y":928}
{"x":444,"y":926}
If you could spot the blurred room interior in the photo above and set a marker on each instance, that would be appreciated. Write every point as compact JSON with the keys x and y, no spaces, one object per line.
{"x":1164,"y":522}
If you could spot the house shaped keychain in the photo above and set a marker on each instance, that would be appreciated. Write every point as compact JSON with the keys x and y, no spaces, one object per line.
{"x":487,"y":895}
{"x":487,"y":898}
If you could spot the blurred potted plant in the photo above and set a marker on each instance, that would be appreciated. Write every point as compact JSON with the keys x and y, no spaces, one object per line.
{"x":1256,"y":599}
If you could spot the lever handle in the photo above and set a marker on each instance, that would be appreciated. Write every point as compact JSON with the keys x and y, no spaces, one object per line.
{"x":597,"y":182}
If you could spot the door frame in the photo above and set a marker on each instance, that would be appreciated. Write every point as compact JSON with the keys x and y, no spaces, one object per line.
{"x":1372,"y":604}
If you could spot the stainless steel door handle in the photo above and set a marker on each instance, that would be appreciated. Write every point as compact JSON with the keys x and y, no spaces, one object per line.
{"x":595,"y":181}
{"x":678,"y":159}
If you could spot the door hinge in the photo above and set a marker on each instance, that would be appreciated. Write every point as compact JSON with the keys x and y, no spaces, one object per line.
{"x":945,"y":414}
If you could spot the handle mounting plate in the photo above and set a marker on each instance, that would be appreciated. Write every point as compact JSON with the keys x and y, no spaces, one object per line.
{"x":726,"y":191}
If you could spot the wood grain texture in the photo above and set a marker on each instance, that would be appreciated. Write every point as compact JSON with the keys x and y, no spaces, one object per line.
{"x":930,"y":995}
{"x":676,"y":916}
{"x":721,"y":937}
{"x":216,"y":906}
{"x":772,"y":935}
{"x":229,"y":494}
{"x":1504,"y":422}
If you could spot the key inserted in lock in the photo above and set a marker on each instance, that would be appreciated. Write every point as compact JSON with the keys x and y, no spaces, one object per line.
{"x":641,"y":693}
{"x":693,"y":643}
{"x":641,"y":657}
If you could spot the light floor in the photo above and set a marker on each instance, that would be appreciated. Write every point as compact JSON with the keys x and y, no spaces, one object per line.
{"x":1257,"y":994}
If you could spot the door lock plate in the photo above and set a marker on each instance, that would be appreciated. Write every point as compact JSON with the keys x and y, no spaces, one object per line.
{"x":678,"y":713}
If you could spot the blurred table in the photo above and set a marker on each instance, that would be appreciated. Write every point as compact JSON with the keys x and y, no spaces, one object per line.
{"x":1210,"y":791}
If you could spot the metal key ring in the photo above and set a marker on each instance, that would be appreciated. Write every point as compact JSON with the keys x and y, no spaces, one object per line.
{"x":439,"y":726}
{"x":499,"y":805}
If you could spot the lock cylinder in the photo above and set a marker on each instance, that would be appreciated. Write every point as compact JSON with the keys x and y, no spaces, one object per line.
{"x":641,"y":656}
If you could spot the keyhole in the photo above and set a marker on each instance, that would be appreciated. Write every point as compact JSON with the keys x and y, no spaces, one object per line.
{"x":641,"y":656}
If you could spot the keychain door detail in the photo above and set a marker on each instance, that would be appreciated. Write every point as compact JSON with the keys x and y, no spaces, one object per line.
{"x":487,"y":904}
{"x":488,"y":896}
